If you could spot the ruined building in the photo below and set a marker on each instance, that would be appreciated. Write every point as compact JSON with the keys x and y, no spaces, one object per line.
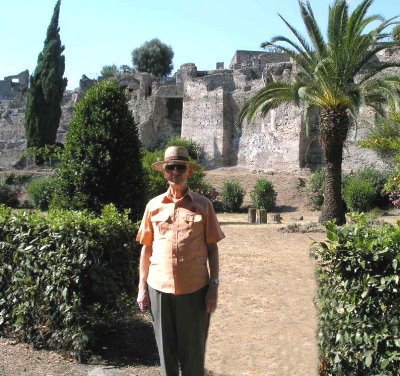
{"x":203,"y":105}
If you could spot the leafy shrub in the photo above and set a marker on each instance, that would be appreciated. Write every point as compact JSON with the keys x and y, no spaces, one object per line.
{"x":49,"y":154}
{"x":315,"y":190}
{"x":16,"y":179}
{"x":378,"y":180}
{"x":64,"y":276}
{"x":158,"y":185}
{"x":191,"y":146}
{"x":358,"y":195}
{"x":263,"y":195}
{"x":41,"y":191}
{"x":232,"y":194}
{"x":9,"y":195}
{"x":101,"y":163}
{"x":358,"y":300}
{"x":392,"y":187}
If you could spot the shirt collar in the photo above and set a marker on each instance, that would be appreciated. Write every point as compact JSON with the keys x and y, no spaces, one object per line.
{"x":166,"y":197}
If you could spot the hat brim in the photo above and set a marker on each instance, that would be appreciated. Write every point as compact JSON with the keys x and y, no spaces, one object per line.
{"x":158,"y":166}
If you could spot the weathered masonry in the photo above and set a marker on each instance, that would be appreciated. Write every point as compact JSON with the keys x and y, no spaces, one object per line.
{"x":203,"y":105}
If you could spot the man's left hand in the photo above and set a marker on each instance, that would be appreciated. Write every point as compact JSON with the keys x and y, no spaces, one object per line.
{"x":212,"y":298}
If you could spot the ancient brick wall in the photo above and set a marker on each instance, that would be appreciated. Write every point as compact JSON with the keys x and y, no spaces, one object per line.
{"x":204,"y":106}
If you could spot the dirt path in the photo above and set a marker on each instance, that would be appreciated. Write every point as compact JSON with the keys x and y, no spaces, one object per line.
{"x":266,"y":321}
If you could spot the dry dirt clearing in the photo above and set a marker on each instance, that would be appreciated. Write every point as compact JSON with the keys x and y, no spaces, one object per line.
{"x":266,"y":321}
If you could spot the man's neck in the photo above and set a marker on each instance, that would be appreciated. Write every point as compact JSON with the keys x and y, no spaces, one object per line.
{"x":176,"y":193}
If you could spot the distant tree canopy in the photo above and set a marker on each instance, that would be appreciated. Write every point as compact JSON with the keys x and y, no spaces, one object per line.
{"x":153,"y":57}
{"x":47,"y":85}
{"x":111,"y":70}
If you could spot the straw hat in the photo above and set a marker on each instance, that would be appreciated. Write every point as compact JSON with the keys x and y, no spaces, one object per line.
{"x":175,"y":154}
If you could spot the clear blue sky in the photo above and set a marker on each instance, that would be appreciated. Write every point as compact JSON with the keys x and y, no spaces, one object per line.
{"x":104,"y":32}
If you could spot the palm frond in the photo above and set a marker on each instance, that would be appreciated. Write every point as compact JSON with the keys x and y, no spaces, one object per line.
{"x":378,"y":68}
{"x":312,"y":27}
{"x":298,"y":36}
{"x":266,"y":99}
{"x":297,"y":47}
{"x":301,"y":59}
{"x":337,"y":24}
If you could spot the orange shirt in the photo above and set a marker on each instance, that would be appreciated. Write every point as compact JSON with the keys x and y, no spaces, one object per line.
{"x":179,"y":233}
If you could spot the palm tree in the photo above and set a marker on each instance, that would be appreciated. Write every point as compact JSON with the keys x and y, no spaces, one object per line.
{"x":336,"y":76}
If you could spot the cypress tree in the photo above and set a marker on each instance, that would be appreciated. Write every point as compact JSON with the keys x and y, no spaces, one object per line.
{"x":102,"y":161}
{"x":47,"y":85}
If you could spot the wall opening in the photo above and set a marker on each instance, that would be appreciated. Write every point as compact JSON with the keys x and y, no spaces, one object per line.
{"x":310,"y":150}
{"x":173,"y":117}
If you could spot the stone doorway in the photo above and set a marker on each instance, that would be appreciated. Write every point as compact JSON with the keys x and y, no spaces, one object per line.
{"x":167,"y":120}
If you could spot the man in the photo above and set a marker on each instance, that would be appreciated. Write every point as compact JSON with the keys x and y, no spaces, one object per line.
{"x":179,"y":233}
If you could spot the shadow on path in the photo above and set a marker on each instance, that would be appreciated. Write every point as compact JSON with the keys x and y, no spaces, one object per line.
{"x":128,"y":343}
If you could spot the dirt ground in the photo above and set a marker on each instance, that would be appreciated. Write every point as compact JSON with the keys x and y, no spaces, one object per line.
{"x":265,"y":324}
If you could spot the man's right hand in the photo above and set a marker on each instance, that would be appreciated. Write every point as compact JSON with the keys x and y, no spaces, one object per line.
{"x":143,"y":299}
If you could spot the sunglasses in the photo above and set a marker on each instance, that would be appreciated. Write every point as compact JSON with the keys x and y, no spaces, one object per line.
{"x":179,"y":167}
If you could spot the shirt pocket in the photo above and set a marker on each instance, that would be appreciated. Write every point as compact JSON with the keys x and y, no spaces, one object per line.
{"x":160,"y":223}
{"x":193,"y":224}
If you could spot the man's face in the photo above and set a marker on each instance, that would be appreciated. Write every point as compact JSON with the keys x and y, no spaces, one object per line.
{"x":176,"y":174}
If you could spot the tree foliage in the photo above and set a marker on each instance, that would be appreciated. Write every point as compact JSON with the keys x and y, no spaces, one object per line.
{"x":326,"y":80}
{"x":153,"y":57}
{"x":47,"y":85}
{"x":101,"y":163}
{"x":384,"y":136}
{"x":109,"y":71}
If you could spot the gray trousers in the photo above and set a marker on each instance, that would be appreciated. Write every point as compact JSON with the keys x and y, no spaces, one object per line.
{"x":180,"y":326}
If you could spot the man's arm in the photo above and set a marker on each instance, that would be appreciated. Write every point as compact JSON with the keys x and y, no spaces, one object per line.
{"x":213,"y":263}
{"x":143,"y":298}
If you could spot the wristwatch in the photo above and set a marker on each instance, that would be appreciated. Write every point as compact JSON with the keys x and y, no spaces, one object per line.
{"x":214,"y":281}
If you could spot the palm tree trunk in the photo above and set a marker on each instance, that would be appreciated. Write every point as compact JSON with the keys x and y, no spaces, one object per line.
{"x":334,"y":126}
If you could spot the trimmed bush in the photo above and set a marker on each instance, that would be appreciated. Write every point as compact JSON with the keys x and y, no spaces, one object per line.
{"x":315,"y":190}
{"x":359,"y":195}
{"x":232,"y":194}
{"x":358,"y":299}
{"x":158,"y":185}
{"x":192,"y":146}
{"x":9,"y":195}
{"x":41,"y":191}
{"x":101,"y":163}
{"x":263,"y":195}
{"x":66,"y":276}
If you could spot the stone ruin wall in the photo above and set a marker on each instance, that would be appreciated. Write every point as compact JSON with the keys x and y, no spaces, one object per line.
{"x":203,"y":105}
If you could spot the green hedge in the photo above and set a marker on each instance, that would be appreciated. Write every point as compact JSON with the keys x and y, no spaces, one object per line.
{"x":232,"y":194}
{"x":358,"y":299}
{"x":263,"y":195}
{"x":359,"y":195}
{"x":65,"y":276}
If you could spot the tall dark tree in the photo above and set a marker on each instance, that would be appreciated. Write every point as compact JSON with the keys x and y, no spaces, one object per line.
{"x":336,"y":75}
{"x":102,"y":161}
{"x":47,"y":85}
{"x":153,"y":57}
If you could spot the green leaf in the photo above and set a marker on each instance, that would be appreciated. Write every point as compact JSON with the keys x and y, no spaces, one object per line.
{"x":368,"y":357}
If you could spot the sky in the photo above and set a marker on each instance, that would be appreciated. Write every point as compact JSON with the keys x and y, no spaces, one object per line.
{"x":104,"y":32}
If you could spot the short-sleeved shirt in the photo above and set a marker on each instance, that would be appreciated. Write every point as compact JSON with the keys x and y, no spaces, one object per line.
{"x":179,"y":233}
